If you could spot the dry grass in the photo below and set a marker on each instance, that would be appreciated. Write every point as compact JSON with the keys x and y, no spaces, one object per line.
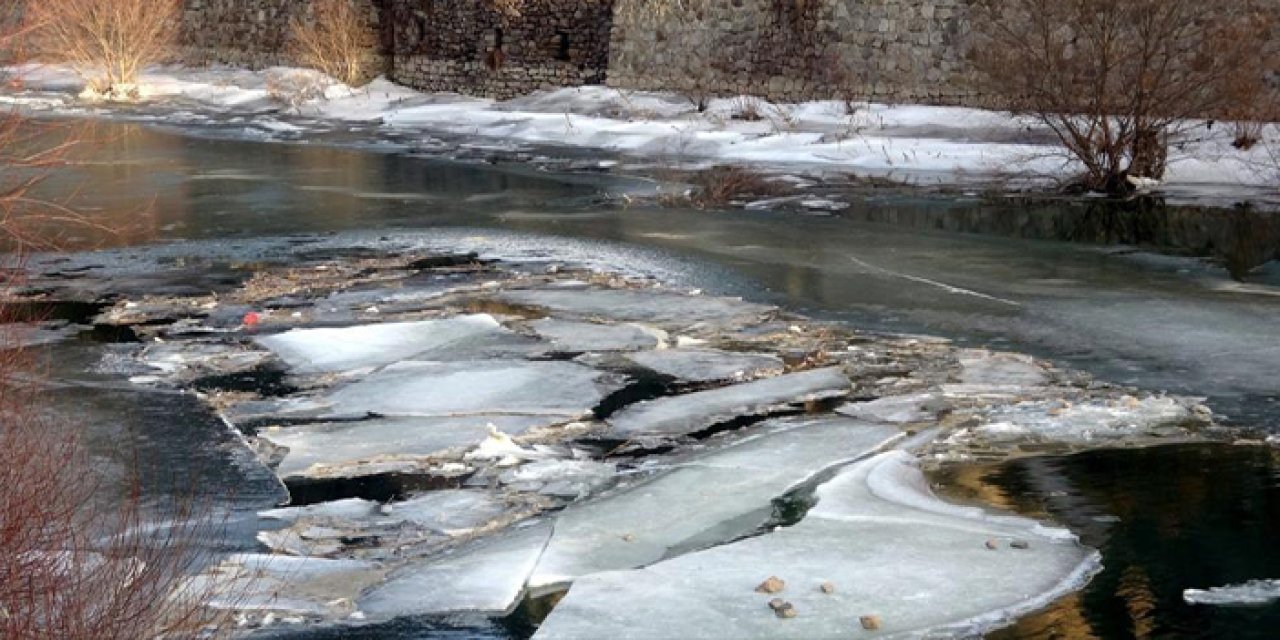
{"x":333,"y":40}
{"x":721,"y":186}
{"x":107,"y":41}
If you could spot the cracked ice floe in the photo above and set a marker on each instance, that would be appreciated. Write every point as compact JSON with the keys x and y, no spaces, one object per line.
{"x":561,"y":478}
{"x":428,"y":518}
{"x":708,"y":500}
{"x":705,"y":366}
{"x":556,"y":390}
{"x":568,"y":336}
{"x":313,"y":587}
{"x":694,"y":412}
{"x":487,"y":576}
{"x":659,"y":308}
{"x":375,"y":345}
{"x":1251,"y":593}
{"x":906,"y":409}
{"x":1090,"y":420}
{"x":329,"y":449}
{"x":890,"y":548}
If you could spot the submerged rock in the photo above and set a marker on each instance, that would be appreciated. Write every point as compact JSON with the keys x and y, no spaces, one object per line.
{"x":877,"y":530}
{"x":694,"y":412}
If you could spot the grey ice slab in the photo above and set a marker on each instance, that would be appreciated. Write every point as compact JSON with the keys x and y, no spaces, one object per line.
{"x":918,"y":407}
{"x":578,"y":337}
{"x":982,"y":367}
{"x":375,"y":345}
{"x":284,"y":584}
{"x":345,"y":444}
{"x":560,"y":389}
{"x":649,"y":306}
{"x":890,"y":548}
{"x":451,"y":512}
{"x":708,"y":365}
{"x":485,"y":577}
{"x":347,"y":508}
{"x":694,"y":412}
{"x":712,"y":498}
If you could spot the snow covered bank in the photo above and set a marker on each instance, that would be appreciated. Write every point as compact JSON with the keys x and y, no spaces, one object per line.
{"x":925,"y":145}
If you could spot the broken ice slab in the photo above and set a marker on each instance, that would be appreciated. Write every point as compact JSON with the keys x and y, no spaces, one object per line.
{"x":431,"y":517}
{"x":309,"y":587}
{"x":905,"y":409}
{"x":983,"y":371}
{"x":340,"y":448}
{"x":660,"y":308}
{"x":567,"y":336}
{"x":561,"y":478}
{"x":1251,"y":593}
{"x":559,"y":390}
{"x":375,"y":345}
{"x":889,"y":548}
{"x":706,"y":366}
{"x":487,"y":576}
{"x":348,"y":508}
{"x":1097,"y":419}
{"x":690,"y":413}
{"x":712,"y":498}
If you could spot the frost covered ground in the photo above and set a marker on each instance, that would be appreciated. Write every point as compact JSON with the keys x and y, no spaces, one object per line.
{"x":915,"y":144}
{"x":459,"y":434}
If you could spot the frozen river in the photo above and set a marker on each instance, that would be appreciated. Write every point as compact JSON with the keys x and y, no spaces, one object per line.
{"x":1062,"y":282}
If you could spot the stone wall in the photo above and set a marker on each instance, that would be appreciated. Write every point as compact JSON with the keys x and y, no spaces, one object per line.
{"x":469,"y":46}
{"x":790,"y":50}
{"x":255,"y":33}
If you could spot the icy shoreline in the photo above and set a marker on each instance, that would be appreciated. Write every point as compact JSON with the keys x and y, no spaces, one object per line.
{"x":920,"y":145}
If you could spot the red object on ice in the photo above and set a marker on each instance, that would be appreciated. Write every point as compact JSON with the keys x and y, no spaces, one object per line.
{"x":252,"y":318}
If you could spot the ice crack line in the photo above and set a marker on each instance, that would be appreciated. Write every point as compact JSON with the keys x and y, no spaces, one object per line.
{"x":933,"y":283}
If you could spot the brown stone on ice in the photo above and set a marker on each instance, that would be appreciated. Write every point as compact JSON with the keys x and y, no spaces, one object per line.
{"x":991,"y":544}
{"x":773,"y":584}
{"x":828,"y":587}
{"x":870,"y":623}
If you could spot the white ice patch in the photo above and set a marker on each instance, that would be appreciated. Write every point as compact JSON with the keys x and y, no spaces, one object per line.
{"x":375,"y":345}
{"x":1252,"y":593}
{"x":282,"y":584}
{"x":557,"y":390}
{"x":1054,"y":420}
{"x":578,"y":337}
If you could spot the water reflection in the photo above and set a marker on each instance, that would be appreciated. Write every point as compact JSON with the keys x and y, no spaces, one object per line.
{"x":1165,"y":519}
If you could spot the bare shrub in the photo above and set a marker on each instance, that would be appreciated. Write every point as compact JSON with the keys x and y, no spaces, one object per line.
{"x":722,"y":185}
{"x":1116,"y":79}
{"x":746,"y":108}
{"x":78,"y":560}
{"x":107,"y":41}
{"x":333,"y":40}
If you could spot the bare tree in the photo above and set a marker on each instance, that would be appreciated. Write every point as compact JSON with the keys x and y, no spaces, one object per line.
{"x":334,"y":39}
{"x":1116,"y":79}
{"x":107,"y":41}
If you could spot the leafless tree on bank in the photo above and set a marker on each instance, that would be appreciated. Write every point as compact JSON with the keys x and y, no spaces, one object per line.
{"x":1117,"y":79}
